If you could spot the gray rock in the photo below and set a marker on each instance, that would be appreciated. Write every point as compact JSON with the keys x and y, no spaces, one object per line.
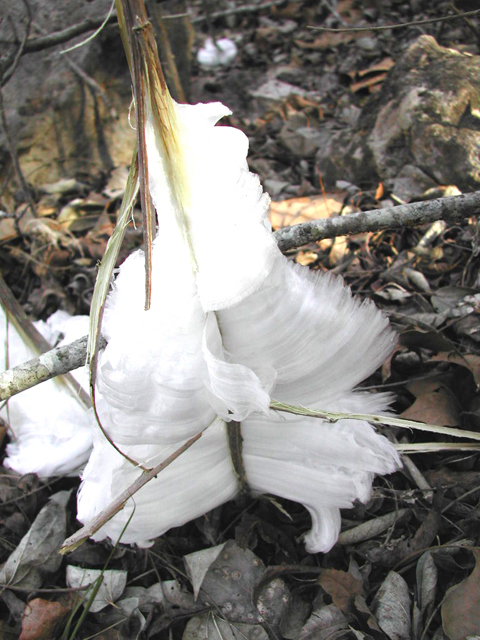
{"x":276,"y":91}
{"x":301,"y":138}
{"x":274,"y":187}
{"x":367,"y":44}
{"x":426,"y":115}
{"x":411,"y":183}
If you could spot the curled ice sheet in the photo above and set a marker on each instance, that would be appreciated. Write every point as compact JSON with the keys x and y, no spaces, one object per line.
{"x":199,"y":480}
{"x":50,"y":427}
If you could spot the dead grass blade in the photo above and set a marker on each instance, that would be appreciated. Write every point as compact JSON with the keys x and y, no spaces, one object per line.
{"x":367,"y":417}
{"x":106,"y":268}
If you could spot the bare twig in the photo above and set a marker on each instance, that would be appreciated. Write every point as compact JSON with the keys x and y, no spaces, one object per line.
{"x":59,"y":37}
{"x":14,"y":158}
{"x":467,"y":22}
{"x":118,"y":504}
{"x":11,"y":70}
{"x":408,"y":215}
{"x":55,"y":362}
{"x":171,"y":65}
{"x":399,"y":25}
{"x":334,"y":12}
{"x":246,"y":8}
{"x":92,"y":84}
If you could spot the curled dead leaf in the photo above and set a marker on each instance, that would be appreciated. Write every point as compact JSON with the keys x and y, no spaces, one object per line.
{"x":342,"y":587}
{"x":434,"y":404}
{"x":297,"y":210}
{"x":42,"y":619}
{"x":469,"y":361}
{"x":461,"y":606}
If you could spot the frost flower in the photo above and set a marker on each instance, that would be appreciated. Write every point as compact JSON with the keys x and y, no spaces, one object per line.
{"x":49,"y":425}
{"x":232,"y":324}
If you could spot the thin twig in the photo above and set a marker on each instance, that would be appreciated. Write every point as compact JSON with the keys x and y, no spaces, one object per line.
{"x":247,"y":8}
{"x":92,"y":84}
{"x":14,"y":157}
{"x":167,"y":54}
{"x":11,"y":70}
{"x":415,"y":23}
{"x":334,"y":12}
{"x":451,"y":209}
{"x":51,"y":364}
{"x":34,"y":45}
{"x":467,"y":22}
{"x":119,"y":503}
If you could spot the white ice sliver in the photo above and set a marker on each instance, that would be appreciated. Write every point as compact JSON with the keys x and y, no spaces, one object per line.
{"x":227,"y":331}
{"x":216,"y":54}
{"x":51,"y":430}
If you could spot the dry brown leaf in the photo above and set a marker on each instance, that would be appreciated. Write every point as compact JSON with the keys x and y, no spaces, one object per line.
{"x":297,"y":210}
{"x":8,"y":230}
{"x":385,"y":65}
{"x":368,"y":83}
{"x":306,"y":257}
{"x":43,"y":619}
{"x":434,"y":404}
{"x":326,"y":41}
{"x":391,"y":606}
{"x":379,"y":193}
{"x":338,"y":251}
{"x":461,"y":606}
{"x":469,"y":361}
{"x":342,"y":587}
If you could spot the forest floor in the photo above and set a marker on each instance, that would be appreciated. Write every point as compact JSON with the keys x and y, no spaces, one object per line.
{"x":390,"y":574}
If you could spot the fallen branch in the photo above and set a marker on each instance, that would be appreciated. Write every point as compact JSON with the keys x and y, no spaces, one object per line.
{"x":451,"y":209}
{"x":64,"y":359}
{"x":55,"y":362}
{"x":59,"y":37}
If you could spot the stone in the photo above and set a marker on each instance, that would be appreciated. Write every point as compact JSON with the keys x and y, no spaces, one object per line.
{"x":411,"y":183}
{"x":427,"y":115}
{"x":274,"y":91}
{"x":274,"y":187}
{"x":301,"y":137}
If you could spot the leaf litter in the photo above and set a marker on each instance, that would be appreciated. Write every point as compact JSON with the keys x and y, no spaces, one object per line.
{"x":415,"y":576}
